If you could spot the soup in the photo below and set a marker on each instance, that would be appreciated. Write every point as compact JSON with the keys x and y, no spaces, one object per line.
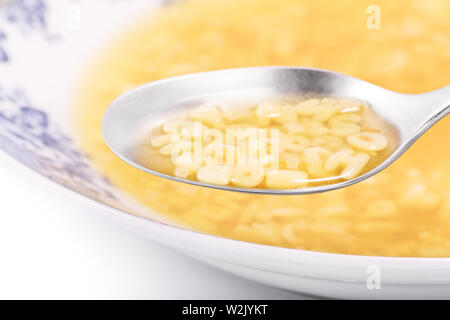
{"x":403,"y":211}
{"x":271,"y":144}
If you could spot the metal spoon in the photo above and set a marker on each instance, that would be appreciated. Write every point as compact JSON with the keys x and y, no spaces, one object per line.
{"x":130,"y":115}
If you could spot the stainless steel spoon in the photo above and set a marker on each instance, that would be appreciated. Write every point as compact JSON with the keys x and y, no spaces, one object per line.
{"x":130,"y":115}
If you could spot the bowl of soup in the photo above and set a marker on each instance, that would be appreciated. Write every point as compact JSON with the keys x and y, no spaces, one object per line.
{"x":63,"y":62}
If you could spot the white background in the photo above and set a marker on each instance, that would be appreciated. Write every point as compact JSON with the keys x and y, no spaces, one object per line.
{"x":53,"y":246}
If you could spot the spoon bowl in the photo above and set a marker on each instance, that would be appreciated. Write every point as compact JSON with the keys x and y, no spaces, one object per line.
{"x":129,"y":117}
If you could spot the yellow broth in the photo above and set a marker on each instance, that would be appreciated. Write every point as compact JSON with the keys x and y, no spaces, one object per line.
{"x":403,"y":211}
{"x":271,"y":144}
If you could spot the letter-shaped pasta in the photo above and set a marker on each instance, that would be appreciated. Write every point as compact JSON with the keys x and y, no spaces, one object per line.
{"x":344,"y":125}
{"x":291,"y":160}
{"x":355,"y":166}
{"x":313,"y":127}
{"x":181,"y":172}
{"x":215,"y":174}
{"x":368,"y":141}
{"x":287,"y":115}
{"x":350,"y":163}
{"x":339,"y":159}
{"x":286,"y":179}
{"x":265,"y":112}
{"x":307,"y":107}
{"x":208,"y":114}
{"x":213,"y":153}
{"x":247,"y":176}
{"x":315,"y":158}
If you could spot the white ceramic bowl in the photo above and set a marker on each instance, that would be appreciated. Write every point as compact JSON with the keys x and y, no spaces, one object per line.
{"x":43,"y":45}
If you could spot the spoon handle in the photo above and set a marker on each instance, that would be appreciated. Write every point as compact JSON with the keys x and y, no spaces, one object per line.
{"x":436,"y":104}
{"x":428,"y":108}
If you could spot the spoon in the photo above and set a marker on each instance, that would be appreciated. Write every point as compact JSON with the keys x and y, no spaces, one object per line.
{"x":128,"y":117}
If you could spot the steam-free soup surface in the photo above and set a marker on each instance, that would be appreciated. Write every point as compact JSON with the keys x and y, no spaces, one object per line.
{"x":404,"y":211}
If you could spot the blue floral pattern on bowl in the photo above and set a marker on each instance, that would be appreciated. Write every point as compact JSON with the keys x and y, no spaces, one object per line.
{"x":3,"y":54}
{"x":29,"y":130}
{"x":26,"y":16}
{"x":27,"y":134}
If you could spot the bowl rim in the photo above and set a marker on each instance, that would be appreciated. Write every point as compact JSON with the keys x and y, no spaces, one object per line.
{"x":408,"y":272}
{"x":273,"y":251}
